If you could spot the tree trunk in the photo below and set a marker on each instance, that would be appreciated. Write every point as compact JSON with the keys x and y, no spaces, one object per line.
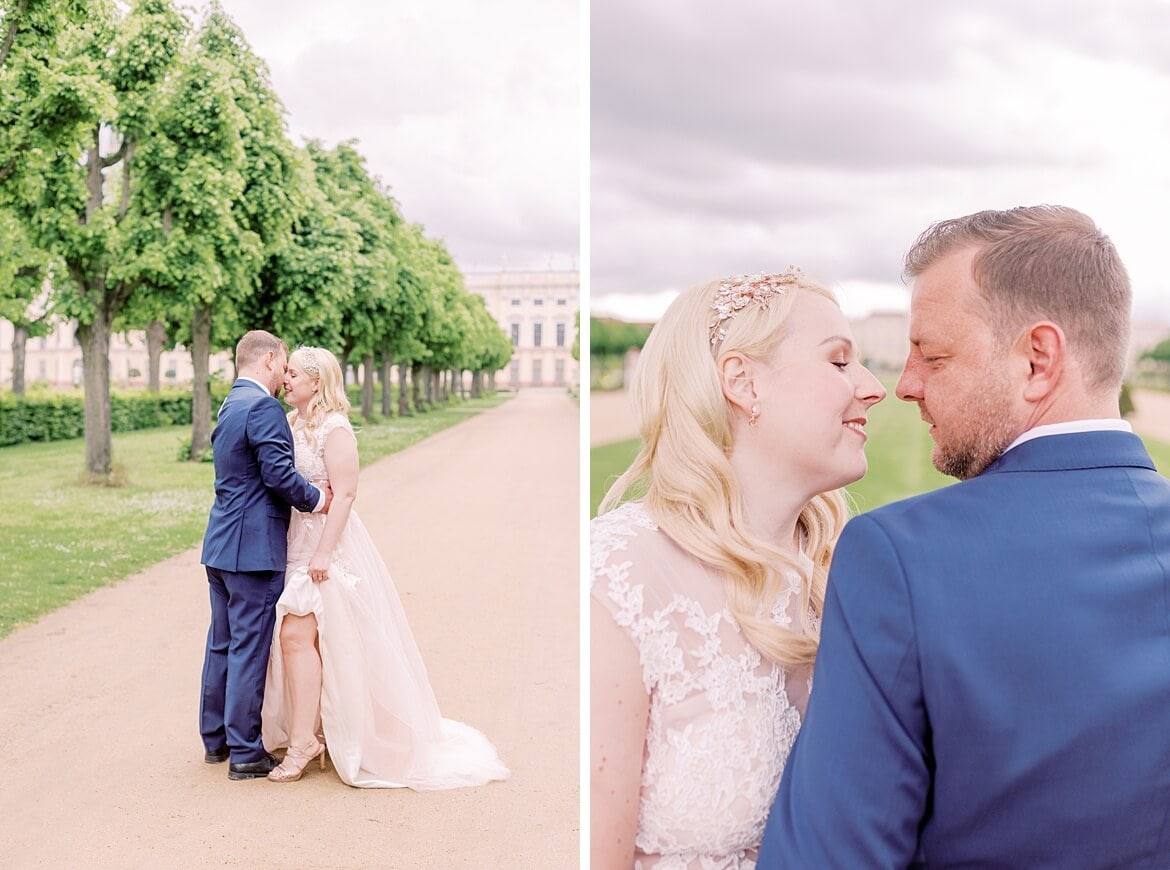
{"x":343,"y":361}
{"x":416,"y":372}
{"x":429,"y":386}
{"x":368,"y":386}
{"x":201,"y":388}
{"x":404,"y":409}
{"x":156,"y":336}
{"x":19,"y":346}
{"x":387,"y":394}
{"x":95,"y":365}
{"x":475,"y":385}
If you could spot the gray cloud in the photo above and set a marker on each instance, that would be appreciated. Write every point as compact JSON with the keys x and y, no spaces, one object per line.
{"x":468,"y":111}
{"x":831,"y":134}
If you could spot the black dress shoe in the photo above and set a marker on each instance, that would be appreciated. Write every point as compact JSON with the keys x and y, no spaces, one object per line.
{"x":253,"y":769}
{"x":215,"y":756}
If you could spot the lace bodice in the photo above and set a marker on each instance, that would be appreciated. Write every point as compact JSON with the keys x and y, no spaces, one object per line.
{"x":722,"y":718}
{"x":309,"y":446}
{"x":304,"y":531}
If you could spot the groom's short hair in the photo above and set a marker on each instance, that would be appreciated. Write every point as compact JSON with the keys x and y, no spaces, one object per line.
{"x":1044,"y":262}
{"x":254,"y":345}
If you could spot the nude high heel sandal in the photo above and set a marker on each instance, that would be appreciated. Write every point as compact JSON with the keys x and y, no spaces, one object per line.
{"x":296,"y":760}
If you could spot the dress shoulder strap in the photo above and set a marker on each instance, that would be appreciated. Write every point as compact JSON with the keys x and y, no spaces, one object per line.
{"x":334,"y":421}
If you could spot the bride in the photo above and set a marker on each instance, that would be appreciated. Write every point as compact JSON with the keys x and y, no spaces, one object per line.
{"x":707,"y":592}
{"x":344,"y":670}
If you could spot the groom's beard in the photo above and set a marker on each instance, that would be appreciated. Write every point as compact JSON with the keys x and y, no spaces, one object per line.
{"x":967,"y":454}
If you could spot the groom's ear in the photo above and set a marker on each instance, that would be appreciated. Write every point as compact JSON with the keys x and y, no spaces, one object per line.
{"x":735,"y":377}
{"x":1045,"y":349}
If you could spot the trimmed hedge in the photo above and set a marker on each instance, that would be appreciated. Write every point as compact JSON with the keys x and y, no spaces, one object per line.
{"x":60,"y":416}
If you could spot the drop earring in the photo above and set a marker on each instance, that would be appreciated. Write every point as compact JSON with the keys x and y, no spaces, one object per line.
{"x":755,"y":417}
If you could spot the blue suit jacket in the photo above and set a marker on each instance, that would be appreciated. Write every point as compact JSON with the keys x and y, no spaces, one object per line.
{"x":993,"y":682}
{"x":255,"y":483}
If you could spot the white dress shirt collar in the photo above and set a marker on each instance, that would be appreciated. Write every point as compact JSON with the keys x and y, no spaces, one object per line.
{"x":257,"y":383}
{"x":1068,"y":427}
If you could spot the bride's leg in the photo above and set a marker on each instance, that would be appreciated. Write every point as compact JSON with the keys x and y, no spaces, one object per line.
{"x":302,"y":673}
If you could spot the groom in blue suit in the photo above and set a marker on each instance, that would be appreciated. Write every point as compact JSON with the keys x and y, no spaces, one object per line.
{"x":993,"y":682}
{"x":244,"y":552}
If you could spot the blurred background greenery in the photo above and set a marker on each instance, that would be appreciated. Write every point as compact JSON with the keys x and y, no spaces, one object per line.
{"x":898,"y":451}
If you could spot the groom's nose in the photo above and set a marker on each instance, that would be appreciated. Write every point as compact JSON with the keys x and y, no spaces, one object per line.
{"x":909,"y":386}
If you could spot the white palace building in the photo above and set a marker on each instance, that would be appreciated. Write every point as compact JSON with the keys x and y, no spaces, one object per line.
{"x":535,"y":308}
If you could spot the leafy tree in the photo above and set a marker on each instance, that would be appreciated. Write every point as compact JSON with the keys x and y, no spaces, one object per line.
{"x":1125,"y":401}
{"x":38,"y":105}
{"x":609,"y":337}
{"x":450,"y":321}
{"x":220,"y":171}
{"x":1159,"y":353}
{"x":70,"y":176}
{"x":367,"y":204}
{"x":410,"y":315}
{"x":491,"y":351}
{"x":23,"y":300}
{"x":308,"y":281}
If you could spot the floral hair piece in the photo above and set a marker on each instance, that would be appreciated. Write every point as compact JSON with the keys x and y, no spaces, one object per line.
{"x":309,"y":360}
{"x":737,"y":293}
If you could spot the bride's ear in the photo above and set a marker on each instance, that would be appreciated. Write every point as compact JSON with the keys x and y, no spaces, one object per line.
{"x":735,"y":377}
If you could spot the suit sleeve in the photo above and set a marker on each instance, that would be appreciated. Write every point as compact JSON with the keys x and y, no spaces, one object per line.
{"x":269,"y":437}
{"x":856,"y":784}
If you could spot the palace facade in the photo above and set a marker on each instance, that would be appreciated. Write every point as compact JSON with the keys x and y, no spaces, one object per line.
{"x":535,"y":308}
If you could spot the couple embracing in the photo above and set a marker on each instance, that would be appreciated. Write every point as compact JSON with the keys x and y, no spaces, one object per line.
{"x":309,"y":647}
{"x":978,"y":676}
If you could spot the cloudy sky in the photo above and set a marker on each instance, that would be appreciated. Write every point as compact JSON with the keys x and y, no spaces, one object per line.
{"x":750,"y":135}
{"x":468,"y":110}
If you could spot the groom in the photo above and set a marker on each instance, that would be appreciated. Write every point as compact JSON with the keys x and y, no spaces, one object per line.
{"x":244,"y":553}
{"x":993,"y":682}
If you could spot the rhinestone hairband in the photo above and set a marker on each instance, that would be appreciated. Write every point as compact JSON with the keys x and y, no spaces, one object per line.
{"x":736,"y":293}
{"x":309,"y":359}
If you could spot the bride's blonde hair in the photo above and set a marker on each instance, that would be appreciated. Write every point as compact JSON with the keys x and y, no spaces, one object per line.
{"x":686,"y":477}
{"x":321,"y":365}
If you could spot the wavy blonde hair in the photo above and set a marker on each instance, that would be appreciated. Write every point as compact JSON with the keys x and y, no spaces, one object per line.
{"x":321,"y":365}
{"x":683,"y":472}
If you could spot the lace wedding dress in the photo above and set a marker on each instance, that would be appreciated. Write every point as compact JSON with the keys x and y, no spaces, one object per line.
{"x":722,"y":718}
{"x":380,"y":718}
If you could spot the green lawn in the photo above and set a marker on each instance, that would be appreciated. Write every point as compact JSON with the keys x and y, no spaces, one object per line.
{"x":898,"y":451}
{"x":61,"y":538}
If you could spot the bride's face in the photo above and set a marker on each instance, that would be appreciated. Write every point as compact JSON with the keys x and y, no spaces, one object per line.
{"x":814,"y":398}
{"x":299,"y":387}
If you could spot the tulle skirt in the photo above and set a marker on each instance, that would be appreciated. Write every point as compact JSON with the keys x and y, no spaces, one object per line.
{"x":378,"y":712}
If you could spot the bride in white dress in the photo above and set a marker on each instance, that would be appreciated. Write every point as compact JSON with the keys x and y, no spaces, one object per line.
{"x":707,"y":591}
{"x":345,"y":673}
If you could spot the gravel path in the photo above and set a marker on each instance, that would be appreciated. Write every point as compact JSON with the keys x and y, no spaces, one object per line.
{"x":103,"y":766}
{"x":610,"y":417}
{"x":1151,"y":414}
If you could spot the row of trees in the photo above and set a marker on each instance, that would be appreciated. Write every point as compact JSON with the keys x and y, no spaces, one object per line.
{"x":148,"y":180}
{"x":609,"y":340}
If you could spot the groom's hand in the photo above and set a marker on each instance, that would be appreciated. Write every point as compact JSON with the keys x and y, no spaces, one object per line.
{"x":328,"y":498}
